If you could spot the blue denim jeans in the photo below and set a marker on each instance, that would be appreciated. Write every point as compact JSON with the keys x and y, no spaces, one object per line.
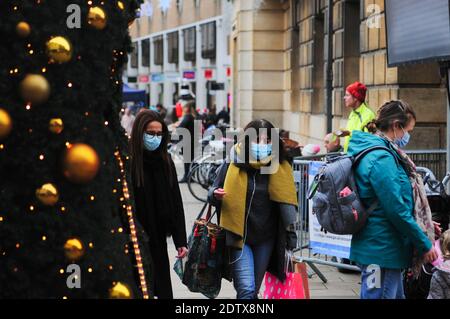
{"x":381,"y":283}
{"x":249,"y":266}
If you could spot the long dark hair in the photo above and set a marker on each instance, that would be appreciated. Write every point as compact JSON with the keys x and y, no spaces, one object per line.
{"x":263,"y":124}
{"x":137,"y":145}
{"x":390,"y":112}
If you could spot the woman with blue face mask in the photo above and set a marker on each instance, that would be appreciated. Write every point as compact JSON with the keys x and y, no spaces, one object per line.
{"x":256,"y":208}
{"x":399,"y":231}
{"x":159,"y":206}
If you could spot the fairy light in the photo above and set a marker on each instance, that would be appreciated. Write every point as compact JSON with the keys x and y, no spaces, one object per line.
{"x":41,"y":157}
{"x":1,"y":219}
{"x":89,"y":269}
{"x":91,"y":245}
{"x":31,"y":208}
{"x":69,"y":85}
{"x":133,"y":232}
{"x":28,"y":107}
{"x":2,"y":146}
{"x":44,"y":238}
{"x":92,"y":197}
{"x":61,"y":271}
{"x":44,"y":70}
{"x":63,"y":209}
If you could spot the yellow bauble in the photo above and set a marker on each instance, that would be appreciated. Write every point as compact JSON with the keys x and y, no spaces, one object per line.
{"x":81,"y":163}
{"x":59,"y":50}
{"x":23,"y":29}
{"x":56,"y":126}
{"x":73,"y":249}
{"x":97,"y":18}
{"x":120,"y":291}
{"x":5,"y":124}
{"x":35,"y":89}
{"x":47,"y":194}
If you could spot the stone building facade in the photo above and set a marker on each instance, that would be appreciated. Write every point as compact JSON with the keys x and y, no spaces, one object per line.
{"x":279,"y":56}
{"x":182,"y":42}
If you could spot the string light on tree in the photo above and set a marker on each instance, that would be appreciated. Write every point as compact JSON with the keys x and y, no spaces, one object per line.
{"x":133,"y":232}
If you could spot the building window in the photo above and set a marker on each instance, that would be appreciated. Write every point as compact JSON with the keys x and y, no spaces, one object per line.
{"x":197,"y":3}
{"x":209,"y":40}
{"x":158,"y":50}
{"x":295,"y":56}
{"x":145,"y":53}
{"x":134,"y":55}
{"x":172,"y":42}
{"x":190,"y":44}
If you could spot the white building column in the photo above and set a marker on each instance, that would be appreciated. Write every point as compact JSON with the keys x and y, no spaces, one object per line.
{"x":153,"y":69}
{"x":168,"y":87}
{"x":199,"y":74}
{"x":221,"y":64}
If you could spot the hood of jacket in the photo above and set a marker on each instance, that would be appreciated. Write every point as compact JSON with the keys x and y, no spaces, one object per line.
{"x":362,"y":140}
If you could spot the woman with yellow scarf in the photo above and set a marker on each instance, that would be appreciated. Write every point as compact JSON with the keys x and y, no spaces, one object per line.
{"x":256,"y":208}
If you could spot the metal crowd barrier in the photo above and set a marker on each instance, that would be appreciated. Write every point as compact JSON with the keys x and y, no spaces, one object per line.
{"x":303,"y":253}
{"x":432,"y":159}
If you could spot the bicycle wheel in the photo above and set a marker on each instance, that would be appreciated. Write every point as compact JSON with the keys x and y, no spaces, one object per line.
{"x":200,"y":180}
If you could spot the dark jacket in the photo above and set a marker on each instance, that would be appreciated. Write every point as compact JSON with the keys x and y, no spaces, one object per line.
{"x":284,"y":227}
{"x":159,"y":209}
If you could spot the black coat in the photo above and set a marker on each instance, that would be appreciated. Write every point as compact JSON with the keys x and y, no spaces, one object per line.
{"x":159,"y":209}
{"x":285,"y":239}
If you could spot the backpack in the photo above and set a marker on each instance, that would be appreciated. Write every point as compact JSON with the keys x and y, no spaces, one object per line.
{"x":342,"y":215}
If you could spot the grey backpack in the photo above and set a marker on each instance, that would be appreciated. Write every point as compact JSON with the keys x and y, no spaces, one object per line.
{"x":342,"y":215}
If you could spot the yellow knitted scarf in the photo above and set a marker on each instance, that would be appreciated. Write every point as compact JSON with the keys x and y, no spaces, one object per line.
{"x":281,"y":190}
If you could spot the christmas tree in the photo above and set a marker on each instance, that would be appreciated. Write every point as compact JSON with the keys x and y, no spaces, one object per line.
{"x":67,"y":228}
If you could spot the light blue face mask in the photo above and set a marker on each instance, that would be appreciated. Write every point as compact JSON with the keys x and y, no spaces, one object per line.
{"x":152,"y":142}
{"x":261,"y":151}
{"x":154,"y":108}
{"x":402,"y":142}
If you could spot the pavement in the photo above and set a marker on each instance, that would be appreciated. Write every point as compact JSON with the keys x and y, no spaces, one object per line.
{"x":338,"y":285}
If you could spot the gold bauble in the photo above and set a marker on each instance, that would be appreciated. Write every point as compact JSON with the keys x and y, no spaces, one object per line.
{"x":47,"y":194}
{"x":59,"y":50}
{"x":81,"y":163}
{"x":97,"y":18}
{"x":56,"y":126}
{"x":23,"y":29}
{"x":35,"y":88}
{"x":5,"y":124}
{"x":120,"y":291}
{"x":74,"y":249}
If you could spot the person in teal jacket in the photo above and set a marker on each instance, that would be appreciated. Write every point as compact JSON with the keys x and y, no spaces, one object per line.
{"x":385,"y":246}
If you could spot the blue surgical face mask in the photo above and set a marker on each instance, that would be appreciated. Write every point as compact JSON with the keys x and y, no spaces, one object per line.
{"x":404,"y":140}
{"x":152,"y":142}
{"x":261,"y":151}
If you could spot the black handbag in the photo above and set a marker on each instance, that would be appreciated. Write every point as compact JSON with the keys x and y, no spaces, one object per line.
{"x":203,"y":268}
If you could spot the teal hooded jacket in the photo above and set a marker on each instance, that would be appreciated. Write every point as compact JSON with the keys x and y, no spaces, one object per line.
{"x":391,"y":233}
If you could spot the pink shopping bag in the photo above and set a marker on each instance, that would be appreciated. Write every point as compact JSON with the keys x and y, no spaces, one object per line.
{"x":292,"y":288}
